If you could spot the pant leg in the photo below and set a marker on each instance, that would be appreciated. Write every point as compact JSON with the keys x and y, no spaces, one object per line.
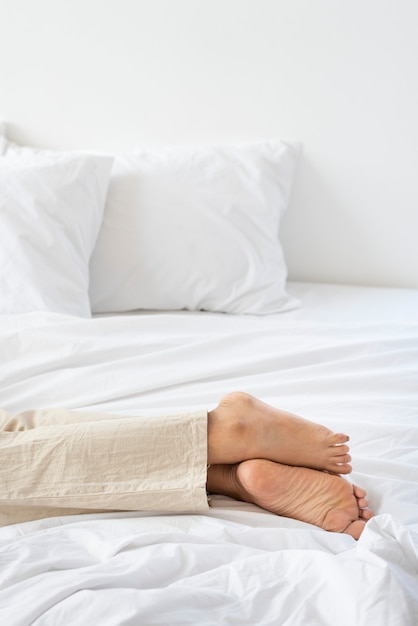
{"x":57,"y":462}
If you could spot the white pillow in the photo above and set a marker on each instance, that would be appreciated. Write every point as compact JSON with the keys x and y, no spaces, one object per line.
{"x":195,"y":228}
{"x":51,"y":208}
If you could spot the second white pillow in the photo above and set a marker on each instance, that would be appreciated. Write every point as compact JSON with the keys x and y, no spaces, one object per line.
{"x":195,"y":228}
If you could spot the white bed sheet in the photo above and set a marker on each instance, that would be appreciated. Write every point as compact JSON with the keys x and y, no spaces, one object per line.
{"x":347,"y":358}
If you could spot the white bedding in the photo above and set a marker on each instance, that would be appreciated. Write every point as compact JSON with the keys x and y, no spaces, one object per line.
{"x":347,"y":358}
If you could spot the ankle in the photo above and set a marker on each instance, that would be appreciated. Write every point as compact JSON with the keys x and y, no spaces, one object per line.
{"x":230,"y":436}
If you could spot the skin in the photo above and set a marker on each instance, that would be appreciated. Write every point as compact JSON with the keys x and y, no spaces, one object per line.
{"x":284,"y":464}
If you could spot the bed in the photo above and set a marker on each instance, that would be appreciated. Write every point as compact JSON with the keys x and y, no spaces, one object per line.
{"x":164,"y":296}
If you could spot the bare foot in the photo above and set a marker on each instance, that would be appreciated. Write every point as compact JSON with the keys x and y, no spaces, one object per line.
{"x":243,"y":427}
{"x":319,"y":498}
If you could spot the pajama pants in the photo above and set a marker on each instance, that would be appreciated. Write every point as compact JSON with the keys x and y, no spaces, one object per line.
{"x":57,"y":462}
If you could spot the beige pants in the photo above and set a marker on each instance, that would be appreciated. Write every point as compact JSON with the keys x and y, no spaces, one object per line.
{"x":57,"y":462}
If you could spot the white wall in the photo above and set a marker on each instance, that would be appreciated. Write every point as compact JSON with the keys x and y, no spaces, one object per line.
{"x":339,"y":75}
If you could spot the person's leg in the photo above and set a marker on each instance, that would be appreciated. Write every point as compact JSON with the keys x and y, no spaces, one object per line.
{"x":242,"y":427}
{"x":308,"y":495}
{"x":58,"y":462}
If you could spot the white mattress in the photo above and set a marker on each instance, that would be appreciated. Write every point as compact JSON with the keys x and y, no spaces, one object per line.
{"x":347,"y":358}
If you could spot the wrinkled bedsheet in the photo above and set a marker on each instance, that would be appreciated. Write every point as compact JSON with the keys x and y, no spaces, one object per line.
{"x":347,"y":358}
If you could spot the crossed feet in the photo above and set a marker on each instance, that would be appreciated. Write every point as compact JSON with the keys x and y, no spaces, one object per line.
{"x":283,"y":463}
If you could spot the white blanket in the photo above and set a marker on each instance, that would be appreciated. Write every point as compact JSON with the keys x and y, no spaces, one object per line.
{"x":348,"y":358}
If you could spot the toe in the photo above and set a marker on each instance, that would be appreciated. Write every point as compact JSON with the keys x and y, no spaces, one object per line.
{"x":339,"y":438}
{"x":362,"y":503}
{"x":359,"y":492}
{"x":343,"y":458}
{"x":355,"y":528}
{"x":340,"y":468}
